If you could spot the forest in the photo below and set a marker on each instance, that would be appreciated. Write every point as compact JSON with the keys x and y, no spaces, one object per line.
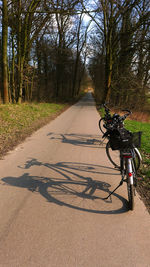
{"x":54,"y":49}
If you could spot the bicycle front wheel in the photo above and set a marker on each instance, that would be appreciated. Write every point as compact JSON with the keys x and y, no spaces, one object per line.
{"x":137,"y":159}
{"x":113,"y":155}
{"x":101,"y":125}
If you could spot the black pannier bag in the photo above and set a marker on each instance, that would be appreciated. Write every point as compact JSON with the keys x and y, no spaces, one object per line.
{"x":124,"y":139}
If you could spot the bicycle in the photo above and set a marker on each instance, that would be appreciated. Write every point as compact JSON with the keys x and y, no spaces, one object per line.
{"x":117,"y":122}
{"x":125,"y":141}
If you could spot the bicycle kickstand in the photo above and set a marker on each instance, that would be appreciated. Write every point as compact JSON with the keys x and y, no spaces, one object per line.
{"x":121,"y":182}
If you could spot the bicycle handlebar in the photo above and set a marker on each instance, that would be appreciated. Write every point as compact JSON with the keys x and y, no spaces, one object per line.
{"x":117,"y":120}
{"x":122,"y":118}
{"x":127,"y":110}
{"x":105,"y":106}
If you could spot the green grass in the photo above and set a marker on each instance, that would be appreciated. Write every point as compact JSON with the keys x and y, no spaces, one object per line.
{"x":102,"y":112}
{"x":136,"y":126}
{"x":21,"y":116}
{"x":19,"y":121}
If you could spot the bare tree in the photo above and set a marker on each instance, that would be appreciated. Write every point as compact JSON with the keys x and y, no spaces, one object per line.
{"x":4,"y":52}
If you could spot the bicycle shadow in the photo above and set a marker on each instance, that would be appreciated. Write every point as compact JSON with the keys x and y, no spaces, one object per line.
{"x":65,"y":168}
{"x":71,"y":190}
{"x":79,"y":139}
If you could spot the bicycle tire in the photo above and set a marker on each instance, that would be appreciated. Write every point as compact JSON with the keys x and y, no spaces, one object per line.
{"x":114,"y":156}
{"x":131,"y":181}
{"x":101,"y":127}
{"x":130,"y":189}
{"x":138,"y":159}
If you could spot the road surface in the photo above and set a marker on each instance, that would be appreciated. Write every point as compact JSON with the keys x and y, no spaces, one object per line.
{"x":51,"y":209}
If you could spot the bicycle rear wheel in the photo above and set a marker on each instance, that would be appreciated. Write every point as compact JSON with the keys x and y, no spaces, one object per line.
{"x":130,"y":189}
{"x":131,"y":181}
{"x":114,"y":156}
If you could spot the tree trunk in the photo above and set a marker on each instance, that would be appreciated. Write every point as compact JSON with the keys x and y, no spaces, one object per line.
{"x":20,"y":84}
{"x":108,"y":76}
{"x":13,"y":94}
{"x":108,"y":26}
{"x":4,"y":53}
{"x":39,"y":62}
{"x":19,"y":89}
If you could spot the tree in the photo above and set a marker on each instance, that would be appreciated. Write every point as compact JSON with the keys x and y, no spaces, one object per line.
{"x":58,"y":59}
{"x":4,"y":52}
{"x":26,"y":20}
{"x":80,"y":46}
{"x":118,"y":25}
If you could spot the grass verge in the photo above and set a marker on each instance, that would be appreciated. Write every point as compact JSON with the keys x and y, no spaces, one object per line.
{"x":19,"y":121}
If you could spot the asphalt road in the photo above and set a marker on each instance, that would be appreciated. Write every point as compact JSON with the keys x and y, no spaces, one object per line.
{"x":51,"y":209}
